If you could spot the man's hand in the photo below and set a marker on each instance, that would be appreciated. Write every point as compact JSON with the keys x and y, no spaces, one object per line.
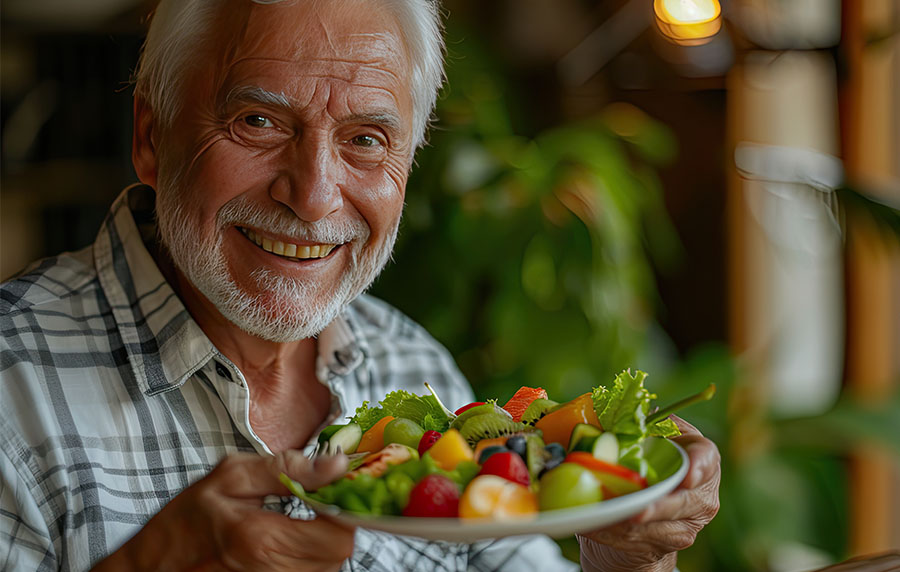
{"x":218,"y":523}
{"x":651,"y":540}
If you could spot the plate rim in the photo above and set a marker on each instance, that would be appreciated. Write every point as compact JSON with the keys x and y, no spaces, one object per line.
{"x":485,"y":529}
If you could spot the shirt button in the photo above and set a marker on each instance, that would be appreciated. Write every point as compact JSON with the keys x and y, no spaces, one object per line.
{"x":223,"y":371}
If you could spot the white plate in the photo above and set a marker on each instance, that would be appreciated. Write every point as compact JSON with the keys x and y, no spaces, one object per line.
{"x":669,"y":460}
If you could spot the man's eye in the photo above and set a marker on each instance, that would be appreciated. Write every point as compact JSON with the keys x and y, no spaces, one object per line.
{"x":258,"y":121}
{"x":365,"y":141}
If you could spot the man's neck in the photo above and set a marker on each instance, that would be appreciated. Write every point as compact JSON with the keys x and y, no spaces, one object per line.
{"x":287,"y":402}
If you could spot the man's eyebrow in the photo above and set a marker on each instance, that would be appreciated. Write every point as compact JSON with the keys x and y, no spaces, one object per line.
{"x":386,"y":119}
{"x":255,"y":94}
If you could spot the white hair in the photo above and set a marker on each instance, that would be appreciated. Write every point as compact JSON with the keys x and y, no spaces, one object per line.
{"x":179,"y":27}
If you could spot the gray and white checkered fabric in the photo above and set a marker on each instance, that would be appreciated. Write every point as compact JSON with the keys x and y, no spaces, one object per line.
{"x":112,"y":401}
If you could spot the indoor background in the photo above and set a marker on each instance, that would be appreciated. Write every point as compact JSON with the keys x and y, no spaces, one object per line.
{"x":703,"y":190}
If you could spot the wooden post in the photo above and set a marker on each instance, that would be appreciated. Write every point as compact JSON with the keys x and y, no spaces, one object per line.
{"x":870,"y":120}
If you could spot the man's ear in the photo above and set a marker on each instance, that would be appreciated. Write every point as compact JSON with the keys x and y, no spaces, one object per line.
{"x":144,"y":155}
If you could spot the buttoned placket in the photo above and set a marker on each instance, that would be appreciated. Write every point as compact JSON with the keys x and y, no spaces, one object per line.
{"x":230,"y":385}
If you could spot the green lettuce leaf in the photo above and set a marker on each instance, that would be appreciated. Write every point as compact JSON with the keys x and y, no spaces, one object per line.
{"x":423,"y":409}
{"x":664,"y":428}
{"x":623,"y":407}
{"x":366,"y":416}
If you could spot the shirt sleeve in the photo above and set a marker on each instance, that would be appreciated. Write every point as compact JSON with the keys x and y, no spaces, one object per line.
{"x":518,"y":554}
{"x":25,"y":542}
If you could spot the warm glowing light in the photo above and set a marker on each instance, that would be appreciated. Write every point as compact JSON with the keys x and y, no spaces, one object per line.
{"x":687,"y":11}
{"x":688,"y":22}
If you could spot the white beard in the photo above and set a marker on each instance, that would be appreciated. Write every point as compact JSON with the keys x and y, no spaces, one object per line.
{"x":284,"y":309}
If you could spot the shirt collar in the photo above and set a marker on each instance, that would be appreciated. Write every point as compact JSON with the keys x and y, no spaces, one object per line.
{"x":164,"y":345}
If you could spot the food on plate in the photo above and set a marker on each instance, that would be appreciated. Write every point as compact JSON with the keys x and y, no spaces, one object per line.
{"x":412,"y":456}
{"x":490,"y":496}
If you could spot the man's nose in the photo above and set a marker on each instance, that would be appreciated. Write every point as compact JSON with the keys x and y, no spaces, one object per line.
{"x":309,"y":183}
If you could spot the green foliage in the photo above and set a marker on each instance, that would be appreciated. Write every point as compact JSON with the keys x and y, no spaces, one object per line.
{"x":423,"y":409}
{"x":782,"y":479}
{"x":531,"y":257}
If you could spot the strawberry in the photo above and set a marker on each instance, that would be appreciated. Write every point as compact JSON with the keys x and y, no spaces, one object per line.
{"x":507,"y":465}
{"x":434,"y":496}
{"x":428,"y":439}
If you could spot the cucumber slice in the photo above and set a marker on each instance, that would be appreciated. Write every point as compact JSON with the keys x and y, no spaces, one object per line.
{"x":606,"y":448}
{"x":345,"y":439}
{"x":327,"y":432}
{"x":583,"y":437}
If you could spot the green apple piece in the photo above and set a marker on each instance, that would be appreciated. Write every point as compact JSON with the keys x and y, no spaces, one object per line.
{"x":404,"y":431}
{"x":568,"y":485}
{"x":614,"y":485}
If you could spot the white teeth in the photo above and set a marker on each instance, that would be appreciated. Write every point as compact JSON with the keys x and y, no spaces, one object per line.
{"x":288,"y":250}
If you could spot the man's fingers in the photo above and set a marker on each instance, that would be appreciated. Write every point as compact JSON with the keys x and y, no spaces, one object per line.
{"x":700,"y":504}
{"x":246,"y":475}
{"x":264,"y":540}
{"x":656,"y":538}
{"x":703,"y":455}
{"x":311,"y":474}
{"x":685,"y":427}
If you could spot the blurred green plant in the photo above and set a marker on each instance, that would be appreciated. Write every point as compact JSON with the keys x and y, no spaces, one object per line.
{"x":531,"y":258}
{"x":784,"y":480}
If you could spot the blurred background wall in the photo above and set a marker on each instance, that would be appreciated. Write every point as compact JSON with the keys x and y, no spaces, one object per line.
{"x":703,"y":190}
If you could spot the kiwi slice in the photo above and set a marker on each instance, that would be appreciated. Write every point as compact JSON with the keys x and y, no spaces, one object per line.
{"x":535,"y":455}
{"x":489,"y":408}
{"x":488,"y":426}
{"x":537,"y":409}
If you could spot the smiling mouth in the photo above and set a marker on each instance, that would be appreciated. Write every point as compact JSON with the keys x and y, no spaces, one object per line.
{"x":294,"y":252}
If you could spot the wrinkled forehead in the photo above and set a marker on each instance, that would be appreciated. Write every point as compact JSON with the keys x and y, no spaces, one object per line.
{"x":329,"y":31}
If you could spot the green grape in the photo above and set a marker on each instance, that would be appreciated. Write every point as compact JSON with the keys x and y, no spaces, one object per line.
{"x":399,"y":484}
{"x":568,"y":485}
{"x":403,"y":431}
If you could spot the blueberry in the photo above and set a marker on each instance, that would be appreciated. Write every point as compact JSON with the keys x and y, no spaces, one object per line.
{"x":556,"y":451}
{"x":488,"y":451}
{"x":517,"y":444}
{"x":556,"y":454}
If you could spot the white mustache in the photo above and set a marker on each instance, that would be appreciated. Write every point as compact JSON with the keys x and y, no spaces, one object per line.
{"x":281,"y":220}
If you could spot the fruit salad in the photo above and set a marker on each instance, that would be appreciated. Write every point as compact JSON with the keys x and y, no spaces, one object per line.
{"x":412,"y":456}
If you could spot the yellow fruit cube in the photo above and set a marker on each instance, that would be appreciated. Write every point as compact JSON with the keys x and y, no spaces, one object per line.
{"x":450,"y":450}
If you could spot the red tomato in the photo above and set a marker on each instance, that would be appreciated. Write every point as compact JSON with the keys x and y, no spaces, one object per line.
{"x":508,"y":465}
{"x":588,"y":461}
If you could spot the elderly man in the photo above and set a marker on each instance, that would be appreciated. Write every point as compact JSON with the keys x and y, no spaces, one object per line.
{"x":156,"y":383}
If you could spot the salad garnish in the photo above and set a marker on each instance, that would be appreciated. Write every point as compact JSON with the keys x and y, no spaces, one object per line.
{"x":413,"y":456}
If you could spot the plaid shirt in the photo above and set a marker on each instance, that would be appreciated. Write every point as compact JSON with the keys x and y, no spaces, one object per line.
{"x":112,"y":401}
